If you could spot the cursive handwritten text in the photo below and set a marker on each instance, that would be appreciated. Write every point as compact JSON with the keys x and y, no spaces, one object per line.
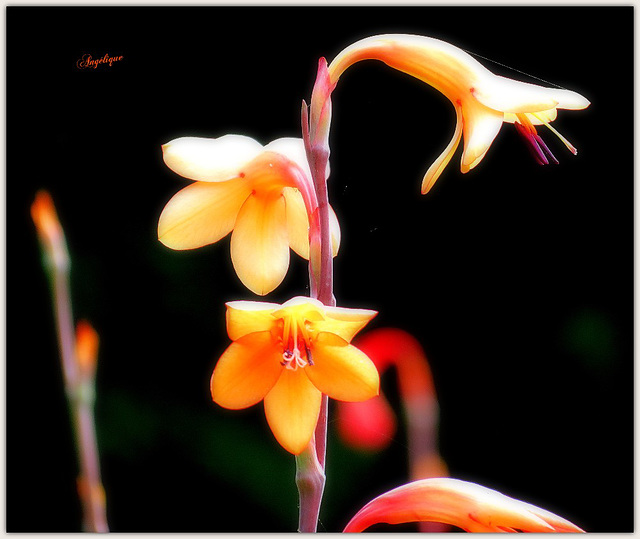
{"x":87,"y":61}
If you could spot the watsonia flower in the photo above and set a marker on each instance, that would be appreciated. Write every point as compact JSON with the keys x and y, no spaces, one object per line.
{"x":482,"y":100}
{"x":263,"y":195}
{"x":289,"y":355}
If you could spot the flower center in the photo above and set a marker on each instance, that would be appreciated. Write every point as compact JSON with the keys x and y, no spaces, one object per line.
{"x":296,"y":343}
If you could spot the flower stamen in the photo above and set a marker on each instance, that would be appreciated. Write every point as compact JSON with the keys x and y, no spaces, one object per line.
{"x":292,"y":356}
{"x":536,"y":145}
{"x":570,"y":146}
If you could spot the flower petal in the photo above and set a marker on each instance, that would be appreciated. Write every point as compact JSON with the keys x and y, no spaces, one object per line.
{"x":245,"y":317}
{"x":297,"y":222}
{"x":538,"y":119}
{"x":292,"y":408}
{"x":334,"y":227}
{"x":343,"y":322}
{"x":480,"y":126}
{"x":246,"y":371}
{"x":443,"y":160}
{"x":260,"y":243}
{"x":293,"y":149}
{"x":210,"y":159}
{"x":201,"y":213}
{"x":508,"y":95}
{"x":303,"y":307}
{"x":466,"y":505}
{"x":342,"y":371}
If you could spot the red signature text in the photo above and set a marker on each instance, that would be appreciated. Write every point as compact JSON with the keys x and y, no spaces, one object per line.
{"x":88,"y":61}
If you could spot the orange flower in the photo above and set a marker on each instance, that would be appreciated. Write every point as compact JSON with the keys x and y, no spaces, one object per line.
{"x":289,"y":355}
{"x":466,"y":505}
{"x":482,"y":100}
{"x":263,"y":194}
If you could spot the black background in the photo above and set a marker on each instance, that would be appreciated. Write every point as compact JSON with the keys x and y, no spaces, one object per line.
{"x":516,"y":278}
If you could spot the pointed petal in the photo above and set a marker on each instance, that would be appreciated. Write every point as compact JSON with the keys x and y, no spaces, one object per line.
{"x":245,"y":317}
{"x":342,"y":371}
{"x":297,"y":222}
{"x":246,"y":371}
{"x":443,"y":160}
{"x":201,"y":213}
{"x":507,"y":95}
{"x":570,"y":100}
{"x":292,"y":408}
{"x":466,"y":505}
{"x":260,"y":244}
{"x":344,"y":322}
{"x":480,"y":126}
{"x":210,"y":159}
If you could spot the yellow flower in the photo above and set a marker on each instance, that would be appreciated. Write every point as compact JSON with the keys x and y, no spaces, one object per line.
{"x":469,"y":506}
{"x":263,"y":194}
{"x":289,"y":355}
{"x":482,"y":100}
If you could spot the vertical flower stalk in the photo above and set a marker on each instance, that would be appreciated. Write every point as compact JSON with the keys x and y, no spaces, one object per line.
{"x":90,"y":486}
{"x":310,"y":464}
{"x":78,"y":353}
{"x":315,"y":133}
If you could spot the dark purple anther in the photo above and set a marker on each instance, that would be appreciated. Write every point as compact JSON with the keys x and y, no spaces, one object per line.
{"x":539,"y":150}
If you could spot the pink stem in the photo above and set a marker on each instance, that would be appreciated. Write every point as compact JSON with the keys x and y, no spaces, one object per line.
{"x":310,"y":464}
{"x":80,"y":396}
